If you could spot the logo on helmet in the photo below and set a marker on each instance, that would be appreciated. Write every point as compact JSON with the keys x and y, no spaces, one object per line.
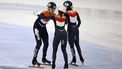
{"x":66,"y":4}
{"x":49,"y":5}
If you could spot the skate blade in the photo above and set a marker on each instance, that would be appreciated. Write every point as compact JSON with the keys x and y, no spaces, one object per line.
{"x":36,"y":66}
{"x":74,"y":64}
{"x":46,"y":64}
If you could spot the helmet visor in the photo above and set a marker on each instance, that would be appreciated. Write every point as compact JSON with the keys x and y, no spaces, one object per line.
{"x":53,"y":9}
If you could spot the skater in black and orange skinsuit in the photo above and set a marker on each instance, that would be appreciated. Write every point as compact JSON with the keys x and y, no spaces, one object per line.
{"x":60,"y":36}
{"x":41,"y":34}
{"x":73,"y":21}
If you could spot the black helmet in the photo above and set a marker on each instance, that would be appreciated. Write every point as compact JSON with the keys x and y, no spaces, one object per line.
{"x":67,"y":3}
{"x":51,"y":5}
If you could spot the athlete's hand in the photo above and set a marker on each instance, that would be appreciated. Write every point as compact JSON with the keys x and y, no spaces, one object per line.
{"x":52,"y":14}
{"x":36,"y":12}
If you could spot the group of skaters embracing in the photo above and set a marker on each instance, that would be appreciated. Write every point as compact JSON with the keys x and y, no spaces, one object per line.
{"x":63,"y":17}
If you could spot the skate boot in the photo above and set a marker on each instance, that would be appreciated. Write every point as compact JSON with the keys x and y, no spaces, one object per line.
{"x":73,"y":60}
{"x":35,"y":62}
{"x":53,"y":66}
{"x":44,"y":60}
{"x":66,"y":66}
{"x":82,"y":60}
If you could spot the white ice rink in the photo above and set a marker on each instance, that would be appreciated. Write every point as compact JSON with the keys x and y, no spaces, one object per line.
{"x":100,"y":33}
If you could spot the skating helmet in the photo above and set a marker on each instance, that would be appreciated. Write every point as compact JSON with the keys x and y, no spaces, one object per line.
{"x":67,"y":3}
{"x":51,"y":5}
{"x":62,"y":8}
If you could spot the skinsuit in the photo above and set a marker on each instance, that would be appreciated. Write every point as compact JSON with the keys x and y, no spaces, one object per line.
{"x":73,"y":21}
{"x":60,"y":36}
{"x":41,"y":34}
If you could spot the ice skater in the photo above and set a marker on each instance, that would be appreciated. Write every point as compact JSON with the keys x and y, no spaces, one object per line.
{"x":60,"y":35}
{"x":40,"y":32}
{"x":73,"y":21}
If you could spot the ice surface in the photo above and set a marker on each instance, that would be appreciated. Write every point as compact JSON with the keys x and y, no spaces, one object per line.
{"x":17,"y":44}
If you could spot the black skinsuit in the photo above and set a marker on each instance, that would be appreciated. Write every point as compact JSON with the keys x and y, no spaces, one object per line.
{"x":60,"y":35}
{"x":73,"y":33}
{"x":41,"y":34}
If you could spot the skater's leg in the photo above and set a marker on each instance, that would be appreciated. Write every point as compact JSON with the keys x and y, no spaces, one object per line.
{"x":63,"y":48}
{"x":78,"y":47}
{"x":45,"y":47}
{"x":71,"y":43}
{"x":55,"y":48}
{"x":38,"y":44}
{"x":36,"y":50}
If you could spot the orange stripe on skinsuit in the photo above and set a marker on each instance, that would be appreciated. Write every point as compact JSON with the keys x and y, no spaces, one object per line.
{"x":72,"y":13}
{"x":46,"y":13}
{"x":58,"y":18}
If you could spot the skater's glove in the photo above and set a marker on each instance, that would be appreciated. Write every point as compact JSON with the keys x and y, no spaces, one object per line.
{"x":36,"y":12}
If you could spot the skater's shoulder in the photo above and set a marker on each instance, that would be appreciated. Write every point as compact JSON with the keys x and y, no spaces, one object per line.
{"x":72,"y":11}
{"x":59,"y":18}
{"x":46,"y":12}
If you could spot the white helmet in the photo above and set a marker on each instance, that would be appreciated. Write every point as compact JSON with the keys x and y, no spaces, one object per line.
{"x":62,"y":8}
